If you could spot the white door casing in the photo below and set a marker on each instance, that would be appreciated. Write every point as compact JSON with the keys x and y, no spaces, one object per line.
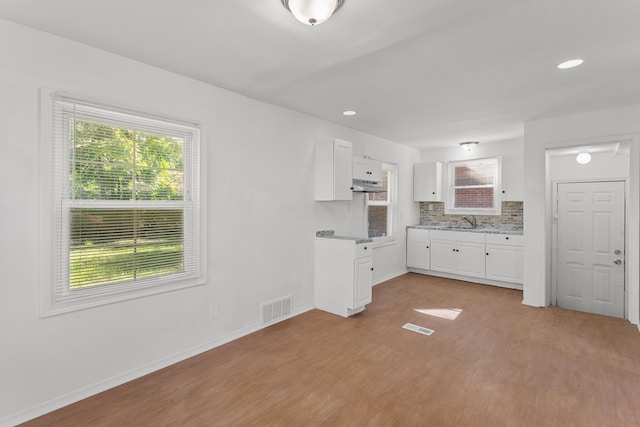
{"x":591,"y":247}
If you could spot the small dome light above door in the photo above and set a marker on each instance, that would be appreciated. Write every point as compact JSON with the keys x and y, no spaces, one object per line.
{"x":583,"y":158}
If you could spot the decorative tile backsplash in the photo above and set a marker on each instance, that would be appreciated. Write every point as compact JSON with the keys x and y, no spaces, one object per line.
{"x":511,"y":214}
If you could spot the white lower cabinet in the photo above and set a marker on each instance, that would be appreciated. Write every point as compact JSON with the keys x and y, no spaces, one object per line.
{"x":363,"y":278}
{"x":470,"y":259}
{"x":458,"y":252}
{"x":343,"y":276}
{"x":485,"y":258}
{"x":418,"y":248}
{"x":504,"y":258}
{"x":443,"y":255}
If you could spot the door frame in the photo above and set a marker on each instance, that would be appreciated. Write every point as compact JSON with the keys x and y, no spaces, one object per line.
{"x":554,"y":236}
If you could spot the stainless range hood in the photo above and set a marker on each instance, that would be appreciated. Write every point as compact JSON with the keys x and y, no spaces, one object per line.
{"x":360,"y":186}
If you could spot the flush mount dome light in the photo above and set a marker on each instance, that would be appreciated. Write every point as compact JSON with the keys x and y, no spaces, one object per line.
{"x":583,"y":158}
{"x":469,"y":145}
{"x":312,"y":12}
{"x":570,"y":64}
{"x":349,"y":113}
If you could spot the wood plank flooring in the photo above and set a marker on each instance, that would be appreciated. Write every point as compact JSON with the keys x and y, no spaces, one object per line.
{"x":498,"y":363}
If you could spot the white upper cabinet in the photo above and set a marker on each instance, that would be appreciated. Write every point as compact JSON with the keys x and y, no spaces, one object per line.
{"x":367,"y":169}
{"x":427,"y":182}
{"x":513,"y":180}
{"x":333,"y":170}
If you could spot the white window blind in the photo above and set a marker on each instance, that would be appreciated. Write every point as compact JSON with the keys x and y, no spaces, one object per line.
{"x":126,"y":203}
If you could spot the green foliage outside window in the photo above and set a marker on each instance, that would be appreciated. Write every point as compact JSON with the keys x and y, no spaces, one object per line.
{"x":111,"y":245}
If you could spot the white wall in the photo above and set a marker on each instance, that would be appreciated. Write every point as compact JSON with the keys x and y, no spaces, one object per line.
{"x":579,"y":129}
{"x":511,"y":152}
{"x":507,"y":149}
{"x":261,"y":223}
{"x":601,"y":166}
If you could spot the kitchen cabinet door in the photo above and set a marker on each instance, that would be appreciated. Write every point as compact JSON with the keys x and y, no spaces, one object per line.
{"x":505,"y":263}
{"x":333,"y":170}
{"x":375,"y":167}
{"x":512,"y":180}
{"x":470,"y":259}
{"x":427,"y":182}
{"x":443,"y":255}
{"x":418,"y":249}
{"x":363,"y":280}
{"x":367,"y":169}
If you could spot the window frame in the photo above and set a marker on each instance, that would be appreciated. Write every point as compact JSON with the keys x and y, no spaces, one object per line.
{"x":390,"y":203}
{"x":56,"y":295}
{"x":449,"y":208}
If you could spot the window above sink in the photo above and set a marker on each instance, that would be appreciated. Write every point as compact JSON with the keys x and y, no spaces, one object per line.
{"x":473,"y":187}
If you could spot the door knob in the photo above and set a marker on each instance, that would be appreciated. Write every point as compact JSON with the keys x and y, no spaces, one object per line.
{"x":617,"y":261}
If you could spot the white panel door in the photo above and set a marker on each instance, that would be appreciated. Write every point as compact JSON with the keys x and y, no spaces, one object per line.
{"x":591,"y":228}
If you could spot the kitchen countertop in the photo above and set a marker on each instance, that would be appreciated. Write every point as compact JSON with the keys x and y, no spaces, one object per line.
{"x":481,"y":228}
{"x":330,"y":234}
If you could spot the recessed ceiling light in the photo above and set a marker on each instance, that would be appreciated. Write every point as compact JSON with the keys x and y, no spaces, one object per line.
{"x":349,"y":113}
{"x":570,"y":64}
{"x":583,"y":158}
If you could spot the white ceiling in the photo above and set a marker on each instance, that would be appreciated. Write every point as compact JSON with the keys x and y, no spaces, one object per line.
{"x":425,"y":73}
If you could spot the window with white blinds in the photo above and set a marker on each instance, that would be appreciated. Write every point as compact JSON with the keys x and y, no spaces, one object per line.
{"x":126,"y":204}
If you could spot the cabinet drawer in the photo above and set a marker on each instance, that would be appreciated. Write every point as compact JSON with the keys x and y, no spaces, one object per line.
{"x":417,"y":235}
{"x":364,"y":249}
{"x":505,"y":239}
{"x":459,"y":236}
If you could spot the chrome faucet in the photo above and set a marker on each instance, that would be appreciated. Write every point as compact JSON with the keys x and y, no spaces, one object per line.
{"x":471,"y":221}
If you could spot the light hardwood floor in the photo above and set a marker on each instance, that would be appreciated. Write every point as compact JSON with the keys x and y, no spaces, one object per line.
{"x":498,"y":363}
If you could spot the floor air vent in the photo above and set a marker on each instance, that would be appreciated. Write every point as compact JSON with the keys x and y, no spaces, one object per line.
{"x":273,"y":310}
{"x":418,"y":329}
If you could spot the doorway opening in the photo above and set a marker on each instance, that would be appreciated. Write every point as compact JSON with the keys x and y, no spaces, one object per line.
{"x":589,"y":242}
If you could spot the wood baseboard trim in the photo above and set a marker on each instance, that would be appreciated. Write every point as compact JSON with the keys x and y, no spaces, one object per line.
{"x":88,"y":391}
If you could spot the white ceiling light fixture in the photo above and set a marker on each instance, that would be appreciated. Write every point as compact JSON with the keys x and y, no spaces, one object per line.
{"x":468,"y":145}
{"x":312,"y":12}
{"x":583,"y":158}
{"x":349,"y":113}
{"x":570,"y":64}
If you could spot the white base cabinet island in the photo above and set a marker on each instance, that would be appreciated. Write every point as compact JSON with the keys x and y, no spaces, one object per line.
{"x":343,"y":274}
